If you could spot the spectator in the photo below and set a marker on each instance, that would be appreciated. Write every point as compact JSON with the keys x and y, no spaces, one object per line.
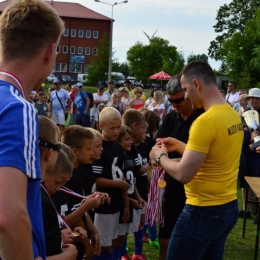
{"x":137,"y":102}
{"x":111,"y":90}
{"x":158,"y":104}
{"x":233,"y":95}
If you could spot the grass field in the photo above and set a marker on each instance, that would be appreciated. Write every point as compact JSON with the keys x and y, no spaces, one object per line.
{"x":236,"y":248}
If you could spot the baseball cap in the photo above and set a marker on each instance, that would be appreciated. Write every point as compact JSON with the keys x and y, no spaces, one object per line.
{"x":100,"y":86}
{"x":79,"y":84}
{"x":56,"y":82}
{"x":110,"y":82}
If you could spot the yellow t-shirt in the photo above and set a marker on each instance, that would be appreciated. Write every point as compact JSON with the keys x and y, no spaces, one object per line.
{"x":219,"y":133}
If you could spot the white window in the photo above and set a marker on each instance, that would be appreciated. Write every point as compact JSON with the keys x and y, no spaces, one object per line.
{"x":81,"y":33}
{"x":87,"y":51}
{"x":95,"y":34}
{"x":58,"y":49}
{"x":80,"y":50}
{"x":72,"y":49}
{"x":65,"y":49}
{"x":94,"y":51}
{"x":75,"y":68}
{"x":88,"y":34}
{"x":73,"y":33}
{"x":66,"y":32}
{"x":61,"y":67}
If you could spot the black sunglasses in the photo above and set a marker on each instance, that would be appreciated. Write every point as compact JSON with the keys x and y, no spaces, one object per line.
{"x":176,"y":100}
{"x":55,"y":147}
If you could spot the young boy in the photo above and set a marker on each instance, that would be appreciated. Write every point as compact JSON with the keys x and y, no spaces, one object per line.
{"x":135,"y":120}
{"x":79,"y":139}
{"x":41,"y":105}
{"x":135,"y":201}
{"x":49,"y":149}
{"x":109,"y":179}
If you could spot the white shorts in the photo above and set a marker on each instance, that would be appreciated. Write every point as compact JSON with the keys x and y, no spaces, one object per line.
{"x":59,"y":119}
{"x":124,"y":228}
{"x":107,"y":226}
{"x":136,"y":220}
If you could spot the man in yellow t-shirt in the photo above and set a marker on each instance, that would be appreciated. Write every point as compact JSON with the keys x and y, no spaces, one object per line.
{"x":208,"y":168}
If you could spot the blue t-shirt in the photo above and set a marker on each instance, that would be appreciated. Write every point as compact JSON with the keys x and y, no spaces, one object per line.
{"x":80,"y":102}
{"x":19,"y":149}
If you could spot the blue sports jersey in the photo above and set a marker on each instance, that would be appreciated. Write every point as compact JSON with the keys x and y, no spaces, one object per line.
{"x":19,"y":149}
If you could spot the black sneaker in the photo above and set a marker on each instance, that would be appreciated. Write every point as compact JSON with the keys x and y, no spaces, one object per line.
{"x":242,"y":213}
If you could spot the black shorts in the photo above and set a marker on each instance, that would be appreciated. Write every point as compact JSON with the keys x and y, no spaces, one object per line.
{"x":171,"y":215}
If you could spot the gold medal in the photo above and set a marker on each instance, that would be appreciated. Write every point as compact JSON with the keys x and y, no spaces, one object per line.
{"x":75,"y":234}
{"x":161,"y":184}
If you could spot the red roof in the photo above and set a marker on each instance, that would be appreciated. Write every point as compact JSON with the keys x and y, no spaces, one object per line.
{"x":65,"y":9}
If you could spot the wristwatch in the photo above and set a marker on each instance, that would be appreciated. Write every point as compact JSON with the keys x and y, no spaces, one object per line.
{"x":157,"y":160}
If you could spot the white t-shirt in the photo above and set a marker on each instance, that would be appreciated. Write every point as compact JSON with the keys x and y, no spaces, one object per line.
{"x":158,"y":107}
{"x":96,"y":107}
{"x":232,"y":98}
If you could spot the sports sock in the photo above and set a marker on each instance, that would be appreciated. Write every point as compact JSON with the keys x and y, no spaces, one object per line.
{"x":123,"y":248}
{"x":152,"y":232}
{"x":138,"y":236}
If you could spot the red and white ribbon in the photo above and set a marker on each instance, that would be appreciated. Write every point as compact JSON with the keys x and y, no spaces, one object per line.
{"x":154,"y":212}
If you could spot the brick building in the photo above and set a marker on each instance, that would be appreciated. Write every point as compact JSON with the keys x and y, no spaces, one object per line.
{"x":84,"y":29}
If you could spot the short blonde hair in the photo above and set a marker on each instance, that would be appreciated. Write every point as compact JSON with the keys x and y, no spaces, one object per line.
{"x":131,"y":116}
{"x":125,"y":90}
{"x":74,"y":136}
{"x":63,"y":165}
{"x":95,"y":132}
{"x":107,"y":114}
{"x":26,"y":27}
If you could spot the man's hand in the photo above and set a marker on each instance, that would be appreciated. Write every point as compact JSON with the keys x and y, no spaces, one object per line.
{"x":172,"y":144}
{"x":155,"y":152}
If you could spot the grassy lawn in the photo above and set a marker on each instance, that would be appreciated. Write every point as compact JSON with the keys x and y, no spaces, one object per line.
{"x":236,"y":248}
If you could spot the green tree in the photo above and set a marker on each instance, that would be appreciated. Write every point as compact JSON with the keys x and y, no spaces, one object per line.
{"x":99,"y":63}
{"x":193,"y":57}
{"x":145,"y":60}
{"x":231,"y":18}
{"x":238,"y":25}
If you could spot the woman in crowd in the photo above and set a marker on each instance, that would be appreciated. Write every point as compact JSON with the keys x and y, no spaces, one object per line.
{"x":137,"y":102}
{"x":158,"y":104}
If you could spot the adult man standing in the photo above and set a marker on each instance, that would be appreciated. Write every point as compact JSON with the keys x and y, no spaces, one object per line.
{"x":233,"y":96}
{"x":250,"y":160}
{"x":23,"y":67}
{"x":177,"y":125}
{"x":111,"y":90}
{"x":99,"y":98}
{"x":208,"y":168}
{"x":60,"y":104}
{"x":81,"y":102}
{"x":128,"y":85}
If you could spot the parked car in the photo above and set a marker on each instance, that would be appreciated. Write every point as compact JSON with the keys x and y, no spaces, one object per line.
{"x":82,"y":78}
{"x":51,"y":78}
{"x":135,"y":82}
{"x":118,"y":78}
{"x":66,"y":79}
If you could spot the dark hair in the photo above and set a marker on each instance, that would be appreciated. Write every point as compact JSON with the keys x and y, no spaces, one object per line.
{"x":199,"y":70}
{"x":174,"y":85}
{"x":123,"y":130}
{"x":152,"y":119}
{"x":233,"y":83}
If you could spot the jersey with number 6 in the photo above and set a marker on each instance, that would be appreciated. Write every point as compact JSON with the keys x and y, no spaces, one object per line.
{"x":110,"y":167}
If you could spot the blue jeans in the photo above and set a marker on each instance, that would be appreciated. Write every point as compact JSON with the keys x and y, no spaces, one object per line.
{"x":201,"y":232}
{"x":83,"y":120}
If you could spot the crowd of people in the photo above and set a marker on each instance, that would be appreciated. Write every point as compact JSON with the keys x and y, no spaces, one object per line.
{"x":74,"y":179}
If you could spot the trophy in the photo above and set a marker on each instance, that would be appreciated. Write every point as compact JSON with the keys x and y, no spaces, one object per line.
{"x":250,"y":119}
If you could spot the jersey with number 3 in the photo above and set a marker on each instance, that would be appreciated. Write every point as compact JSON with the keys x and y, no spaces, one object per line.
{"x":110,"y":167}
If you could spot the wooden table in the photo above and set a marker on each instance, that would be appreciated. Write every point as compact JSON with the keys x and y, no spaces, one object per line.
{"x":254,"y":184}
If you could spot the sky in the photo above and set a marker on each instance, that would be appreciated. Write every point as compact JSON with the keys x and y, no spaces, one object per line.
{"x":186,"y":24}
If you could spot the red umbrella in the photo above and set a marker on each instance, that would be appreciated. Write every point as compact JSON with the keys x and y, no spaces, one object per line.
{"x":161,"y":76}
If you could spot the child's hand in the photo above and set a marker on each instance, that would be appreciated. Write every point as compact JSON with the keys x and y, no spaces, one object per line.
{"x":135,"y":204}
{"x":67,"y":236}
{"x":95,"y":242}
{"x":124,"y":185}
{"x":69,"y":252}
{"x":126,"y":214}
{"x":82,"y":232}
{"x":141,"y":202}
{"x":104,"y":198}
{"x":92,"y":201}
